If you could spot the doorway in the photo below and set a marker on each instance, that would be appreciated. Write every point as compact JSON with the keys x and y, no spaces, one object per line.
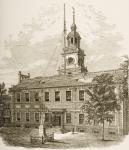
{"x":56,"y":120}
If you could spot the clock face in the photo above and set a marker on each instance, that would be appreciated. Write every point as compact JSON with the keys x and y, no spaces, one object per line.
{"x":70,"y":60}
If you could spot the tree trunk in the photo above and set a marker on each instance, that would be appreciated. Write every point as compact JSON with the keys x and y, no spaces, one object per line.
{"x":103,"y":132}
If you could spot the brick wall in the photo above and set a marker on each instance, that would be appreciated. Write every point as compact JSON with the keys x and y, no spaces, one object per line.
{"x":32,"y":106}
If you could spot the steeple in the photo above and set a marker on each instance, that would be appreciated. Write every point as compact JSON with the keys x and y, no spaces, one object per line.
{"x":73,"y":27}
{"x":73,"y":55}
{"x":73,"y":38}
{"x":65,"y":31}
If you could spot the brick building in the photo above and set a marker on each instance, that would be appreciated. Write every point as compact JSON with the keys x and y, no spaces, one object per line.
{"x":60,"y":97}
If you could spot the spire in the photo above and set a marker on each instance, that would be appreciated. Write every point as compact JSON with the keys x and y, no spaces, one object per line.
{"x":73,"y":15}
{"x":64,"y":28}
{"x":73,"y":27}
{"x":73,"y":38}
{"x":64,"y":40}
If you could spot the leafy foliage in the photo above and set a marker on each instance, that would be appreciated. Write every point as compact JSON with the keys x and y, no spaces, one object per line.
{"x":102,"y":99}
{"x":2,"y":89}
{"x":124,"y":68}
{"x":125,"y":91}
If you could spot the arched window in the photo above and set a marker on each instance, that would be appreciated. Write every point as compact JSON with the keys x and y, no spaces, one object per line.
{"x":72,"y":40}
{"x":75,"y":40}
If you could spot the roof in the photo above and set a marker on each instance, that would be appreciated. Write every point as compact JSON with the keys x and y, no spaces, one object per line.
{"x":73,"y":34}
{"x":48,"y":82}
{"x":57,"y":81}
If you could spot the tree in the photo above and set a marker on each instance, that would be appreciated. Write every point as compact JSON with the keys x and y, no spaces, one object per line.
{"x":2,"y":89}
{"x":2,"y":93}
{"x":102,"y":101}
{"x":124,"y":93}
{"x":124,"y":67}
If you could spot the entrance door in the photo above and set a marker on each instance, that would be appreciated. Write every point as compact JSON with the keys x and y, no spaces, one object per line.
{"x":56,"y":120}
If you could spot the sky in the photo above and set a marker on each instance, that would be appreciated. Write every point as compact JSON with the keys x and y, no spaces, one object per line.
{"x":31,"y":35}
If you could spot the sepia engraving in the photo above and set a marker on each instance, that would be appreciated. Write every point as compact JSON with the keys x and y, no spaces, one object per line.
{"x":73,"y":107}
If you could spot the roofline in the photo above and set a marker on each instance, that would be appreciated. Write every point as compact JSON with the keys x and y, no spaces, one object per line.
{"x":52,"y":87}
{"x":80,"y":84}
{"x":105,"y":71}
{"x":83,"y":84}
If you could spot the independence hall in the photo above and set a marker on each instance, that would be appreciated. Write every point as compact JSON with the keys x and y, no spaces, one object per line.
{"x":59,"y":98}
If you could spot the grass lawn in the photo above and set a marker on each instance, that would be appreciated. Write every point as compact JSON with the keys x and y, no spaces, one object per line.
{"x":21,"y":137}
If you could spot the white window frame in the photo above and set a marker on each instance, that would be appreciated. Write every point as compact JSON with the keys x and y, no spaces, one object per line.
{"x":59,"y":95}
{"x":49,"y":96}
{"x":35,"y":98}
{"x":35,"y":117}
{"x":79,"y":118}
{"x":25,"y":97}
{"x":20,"y":97}
{"x":20,"y":116}
{"x":66,"y":95}
{"x":71,"y":118}
{"x":29,"y":116}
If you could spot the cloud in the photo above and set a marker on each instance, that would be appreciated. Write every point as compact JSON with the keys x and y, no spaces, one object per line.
{"x":38,"y":46}
{"x":95,"y":58}
{"x":36,"y":64}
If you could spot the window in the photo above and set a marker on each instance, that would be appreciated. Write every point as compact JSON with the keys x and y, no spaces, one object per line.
{"x":112,"y":120}
{"x":7,"y":112}
{"x":68,"y":95}
{"x":81,"y":118}
{"x":81,"y":95}
{"x":72,"y":40}
{"x":96,"y":122}
{"x":7,"y":106}
{"x":70,"y":61}
{"x":27,"y":97}
{"x":27,"y":117}
{"x":46,"y":117}
{"x":37,"y":97}
{"x":36,"y":117}
{"x":68,"y":118}
{"x":46,"y":96}
{"x":75,"y":40}
{"x":18,"y":116}
{"x":57,"y":96}
{"x":18,"y":97}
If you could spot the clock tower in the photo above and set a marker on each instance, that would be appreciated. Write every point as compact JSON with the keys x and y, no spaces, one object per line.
{"x":73,"y":55}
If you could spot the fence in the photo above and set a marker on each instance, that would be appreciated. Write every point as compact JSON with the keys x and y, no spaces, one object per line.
{"x":110,"y":132}
{"x":42,"y":139}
